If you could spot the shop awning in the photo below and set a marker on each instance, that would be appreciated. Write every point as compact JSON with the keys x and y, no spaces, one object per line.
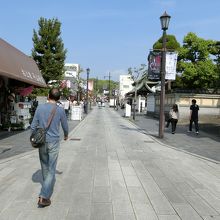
{"x":16,"y":65}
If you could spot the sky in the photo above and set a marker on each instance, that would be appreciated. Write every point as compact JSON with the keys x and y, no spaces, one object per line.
{"x":108,"y":36}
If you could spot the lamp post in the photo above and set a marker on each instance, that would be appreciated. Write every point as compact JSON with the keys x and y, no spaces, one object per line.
{"x":135,"y":92}
{"x":109,"y":85}
{"x":87,"y":89}
{"x":96,"y":88}
{"x":135,"y":100}
{"x":164,"y":19}
{"x":78,"y":86}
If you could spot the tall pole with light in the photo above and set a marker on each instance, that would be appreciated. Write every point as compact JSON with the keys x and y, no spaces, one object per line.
{"x":164,"y":19}
{"x":135,"y":92}
{"x":87,"y":89}
{"x":109,"y":85}
{"x":135,"y":99}
{"x":96,"y":88}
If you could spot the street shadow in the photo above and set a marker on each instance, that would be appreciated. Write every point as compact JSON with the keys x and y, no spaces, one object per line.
{"x":127,"y":128}
{"x":140,"y":130}
{"x":37,"y":176}
{"x":5,"y":134}
{"x":205,"y":130}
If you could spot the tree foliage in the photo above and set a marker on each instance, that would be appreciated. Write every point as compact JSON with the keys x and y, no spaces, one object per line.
{"x":171,"y":43}
{"x":48,"y":51}
{"x":195,"y":64}
{"x":137,"y":72}
{"x":101,"y":85}
{"x":215,"y":51}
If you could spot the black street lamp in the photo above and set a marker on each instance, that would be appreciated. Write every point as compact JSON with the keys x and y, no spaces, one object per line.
{"x":87,"y":89}
{"x":135,"y":100}
{"x":109,"y":85}
{"x":164,"y":19}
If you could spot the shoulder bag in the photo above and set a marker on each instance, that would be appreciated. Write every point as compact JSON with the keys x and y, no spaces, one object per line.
{"x":38,"y":136}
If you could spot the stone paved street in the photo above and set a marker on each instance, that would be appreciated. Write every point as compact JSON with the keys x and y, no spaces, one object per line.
{"x":110,"y":169}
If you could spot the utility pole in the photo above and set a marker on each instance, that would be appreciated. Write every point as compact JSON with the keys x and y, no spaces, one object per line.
{"x":87,"y":89}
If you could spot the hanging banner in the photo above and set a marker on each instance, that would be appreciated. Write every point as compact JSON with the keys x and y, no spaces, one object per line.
{"x":154,"y":63}
{"x":90,"y":85}
{"x":171,"y":61}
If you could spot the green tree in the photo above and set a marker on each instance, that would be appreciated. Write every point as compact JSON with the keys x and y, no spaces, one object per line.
{"x":48,"y":51}
{"x":215,"y":51}
{"x":103,"y":84}
{"x":171,"y":43}
{"x":195,"y":64}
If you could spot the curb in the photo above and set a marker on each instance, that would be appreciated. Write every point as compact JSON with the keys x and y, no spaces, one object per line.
{"x":2,"y":161}
{"x":174,"y":148}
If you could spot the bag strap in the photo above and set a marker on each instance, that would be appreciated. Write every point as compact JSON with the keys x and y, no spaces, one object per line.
{"x":51,"y":117}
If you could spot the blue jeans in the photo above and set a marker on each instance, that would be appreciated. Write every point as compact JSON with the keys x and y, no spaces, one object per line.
{"x":48,"y":154}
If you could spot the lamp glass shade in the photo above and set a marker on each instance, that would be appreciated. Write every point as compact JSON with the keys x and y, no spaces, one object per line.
{"x":165,"y":19}
{"x":87,"y":70}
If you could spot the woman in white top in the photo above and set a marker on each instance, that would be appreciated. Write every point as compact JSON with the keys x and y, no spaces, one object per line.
{"x":173,"y":117}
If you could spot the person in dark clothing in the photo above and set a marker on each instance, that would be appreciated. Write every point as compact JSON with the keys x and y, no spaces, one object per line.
{"x":48,"y":153}
{"x":194,"y":118}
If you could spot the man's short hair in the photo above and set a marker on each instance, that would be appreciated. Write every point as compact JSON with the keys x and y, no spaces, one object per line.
{"x":194,"y":101}
{"x":54,"y":94}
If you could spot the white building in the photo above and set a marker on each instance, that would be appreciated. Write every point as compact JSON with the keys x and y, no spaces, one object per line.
{"x":125,"y":86}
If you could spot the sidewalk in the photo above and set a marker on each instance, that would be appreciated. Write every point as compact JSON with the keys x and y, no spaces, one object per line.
{"x":17,"y":142}
{"x":110,"y":170}
{"x":206,"y":144}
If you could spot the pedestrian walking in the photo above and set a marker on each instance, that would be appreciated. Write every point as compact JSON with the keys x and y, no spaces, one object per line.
{"x":194,"y":116}
{"x":173,"y":117}
{"x":48,"y":153}
{"x":85,"y":106}
{"x":66,"y":104}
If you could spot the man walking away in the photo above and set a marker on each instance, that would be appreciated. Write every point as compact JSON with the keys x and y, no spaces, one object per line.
{"x":194,"y":108}
{"x":48,"y":153}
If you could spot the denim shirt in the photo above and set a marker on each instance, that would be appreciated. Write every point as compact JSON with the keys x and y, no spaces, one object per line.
{"x":43,"y":112}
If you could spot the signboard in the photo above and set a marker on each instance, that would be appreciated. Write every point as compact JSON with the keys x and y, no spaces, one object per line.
{"x":90,"y":85}
{"x":171,"y":61}
{"x":76,"y":113}
{"x":127,"y":110}
{"x":154,"y":62}
{"x":154,"y":65}
{"x":71,"y":70}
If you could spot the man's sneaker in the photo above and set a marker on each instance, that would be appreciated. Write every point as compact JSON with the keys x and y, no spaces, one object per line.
{"x":197,"y":132}
{"x":189,"y":131}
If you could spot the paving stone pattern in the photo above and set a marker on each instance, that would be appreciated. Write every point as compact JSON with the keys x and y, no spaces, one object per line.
{"x":112,"y":171}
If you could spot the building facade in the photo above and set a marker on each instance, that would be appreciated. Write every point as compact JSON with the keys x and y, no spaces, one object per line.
{"x":125,"y":85}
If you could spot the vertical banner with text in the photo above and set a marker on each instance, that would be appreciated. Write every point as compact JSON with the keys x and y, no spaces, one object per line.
{"x":154,"y":65}
{"x":171,"y":61}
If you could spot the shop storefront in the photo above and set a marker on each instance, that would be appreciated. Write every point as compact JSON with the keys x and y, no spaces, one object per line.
{"x":19,"y":74}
